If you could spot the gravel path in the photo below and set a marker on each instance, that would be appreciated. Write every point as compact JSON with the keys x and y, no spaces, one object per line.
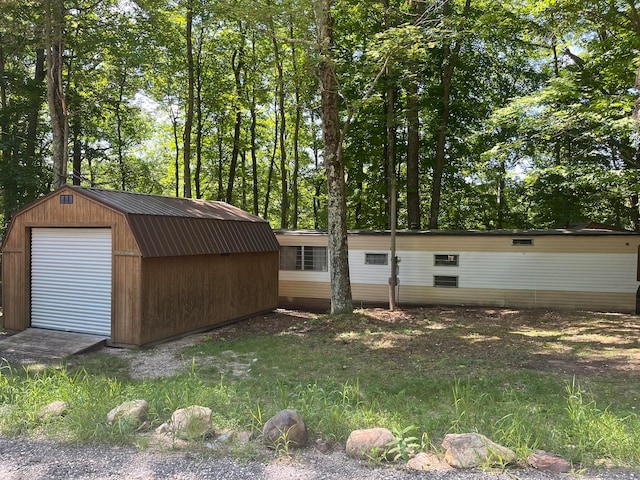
{"x":26,"y":459}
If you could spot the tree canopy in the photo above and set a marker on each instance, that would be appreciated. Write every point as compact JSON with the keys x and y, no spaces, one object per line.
{"x":485,"y":114}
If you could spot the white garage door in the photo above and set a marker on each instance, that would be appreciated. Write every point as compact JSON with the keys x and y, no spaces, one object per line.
{"x":71,"y":279}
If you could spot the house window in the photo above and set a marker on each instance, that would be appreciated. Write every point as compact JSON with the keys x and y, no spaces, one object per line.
{"x":66,"y":199}
{"x":521,"y":241}
{"x":303,"y":258}
{"x":445,"y":281}
{"x":445,"y":260}
{"x":376,"y":259}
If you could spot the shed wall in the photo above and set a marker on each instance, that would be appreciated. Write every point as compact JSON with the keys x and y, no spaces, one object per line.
{"x":185,"y":294}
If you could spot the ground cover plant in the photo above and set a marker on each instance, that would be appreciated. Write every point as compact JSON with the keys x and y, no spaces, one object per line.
{"x":565,"y":382}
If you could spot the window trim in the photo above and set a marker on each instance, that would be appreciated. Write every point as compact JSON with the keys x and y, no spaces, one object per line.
{"x":522,"y":242}
{"x":301,"y":253}
{"x":452,"y":260}
{"x":451,"y":282}
{"x":370,"y":255}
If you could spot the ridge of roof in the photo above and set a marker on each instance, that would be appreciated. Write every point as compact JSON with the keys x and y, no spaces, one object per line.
{"x":134,"y":203}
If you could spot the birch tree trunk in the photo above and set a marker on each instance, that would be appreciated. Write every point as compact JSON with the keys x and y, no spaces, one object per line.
{"x":54,"y":33}
{"x":341,"y":301}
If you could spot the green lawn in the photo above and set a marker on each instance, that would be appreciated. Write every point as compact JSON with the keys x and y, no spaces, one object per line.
{"x":565,"y":382}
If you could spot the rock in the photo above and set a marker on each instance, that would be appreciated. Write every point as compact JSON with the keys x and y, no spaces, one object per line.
{"x":323,"y":446}
{"x":369,"y":443}
{"x":164,"y":428}
{"x":53,"y":410}
{"x":468,"y":450}
{"x":550,"y":462}
{"x":244,"y":437}
{"x":191,"y":422}
{"x":133,"y":412}
{"x":285,"y":429}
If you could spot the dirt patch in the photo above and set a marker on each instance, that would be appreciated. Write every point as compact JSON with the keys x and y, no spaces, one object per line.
{"x":433,"y":339}
{"x":567,"y":342}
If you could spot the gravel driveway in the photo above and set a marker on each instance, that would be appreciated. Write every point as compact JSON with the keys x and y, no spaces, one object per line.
{"x":26,"y":459}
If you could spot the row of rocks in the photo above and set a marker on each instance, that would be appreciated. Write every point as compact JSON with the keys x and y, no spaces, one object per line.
{"x":287,"y":429}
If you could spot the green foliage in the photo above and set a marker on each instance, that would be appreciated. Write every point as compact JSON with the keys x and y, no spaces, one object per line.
{"x":539,"y":134}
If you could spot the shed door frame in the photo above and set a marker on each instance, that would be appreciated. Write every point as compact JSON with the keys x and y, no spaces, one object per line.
{"x":71,"y":279}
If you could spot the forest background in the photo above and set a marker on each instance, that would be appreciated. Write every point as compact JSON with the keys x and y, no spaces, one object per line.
{"x":485,"y":114}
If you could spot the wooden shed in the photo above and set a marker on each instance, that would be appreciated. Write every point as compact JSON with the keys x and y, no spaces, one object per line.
{"x":136,"y":268}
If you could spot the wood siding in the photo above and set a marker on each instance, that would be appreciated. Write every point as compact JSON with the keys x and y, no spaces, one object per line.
{"x":186,"y":294}
{"x":50,"y":212}
{"x":561,"y":271}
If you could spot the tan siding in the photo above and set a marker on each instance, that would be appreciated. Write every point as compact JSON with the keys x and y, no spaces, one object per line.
{"x":618,"y":302}
{"x":185,"y":294}
{"x":541,"y":243}
{"x":293,"y":288}
{"x":292,"y":240}
{"x":476,"y":242}
{"x":293,"y":295}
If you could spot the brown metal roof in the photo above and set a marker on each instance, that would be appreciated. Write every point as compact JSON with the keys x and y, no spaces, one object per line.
{"x":168,"y":226}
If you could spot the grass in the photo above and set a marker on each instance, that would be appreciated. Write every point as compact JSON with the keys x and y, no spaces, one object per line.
{"x":528,"y":380}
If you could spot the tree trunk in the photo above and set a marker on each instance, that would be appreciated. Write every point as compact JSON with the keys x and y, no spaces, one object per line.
{"x":188,"y":121}
{"x":220,"y":139}
{"x":199,"y":123}
{"x":7,"y":180}
{"x":296,"y":133}
{"x":253,"y":134}
{"x":450,"y":59}
{"x":121,"y":165}
{"x":35,"y":105}
{"x":284,"y":185}
{"x":271,"y":164}
{"x":54,"y":33}
{"x":76,"y":155}
{"x":341,"y":301}
{"x":413,"y":162}
{"x":237,"y":64}
{"x":176,"y":144}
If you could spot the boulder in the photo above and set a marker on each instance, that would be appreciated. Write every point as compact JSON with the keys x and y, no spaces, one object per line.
{"x":133,"y":412}
{"x":369,"y":443}
{"x":53,"y":410}
{"x":541,"y":460}
{"x":285,"y":429}
{"x":469,"y":450}
{"x":191,"y":422}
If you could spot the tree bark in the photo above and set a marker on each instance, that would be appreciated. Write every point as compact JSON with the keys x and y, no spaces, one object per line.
{"x":237,"y":64}
{"x":188,"y":121}
{"x":341,"y":301}
{"x":284,"y":209}
{"x":54,"y":37}
{"x":254,"y":137}
{"x":199,"y":121}
{"x":451,"y":55}
{"x":413,"y":159}
{"x":296,"y":133}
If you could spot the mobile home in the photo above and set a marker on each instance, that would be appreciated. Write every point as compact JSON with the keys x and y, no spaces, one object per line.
{"x":586,"y":268}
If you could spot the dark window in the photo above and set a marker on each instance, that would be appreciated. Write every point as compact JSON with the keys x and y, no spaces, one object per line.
{"x":445,"y":281}
{"x":445,"y":260}
{"x":376,"y":258}
{"x":522,"y":241}
{"x":303,"y":258}
{"x":66,"y":199}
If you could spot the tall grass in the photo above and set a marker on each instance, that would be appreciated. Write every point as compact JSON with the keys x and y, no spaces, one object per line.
{"x":523,"y":410}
